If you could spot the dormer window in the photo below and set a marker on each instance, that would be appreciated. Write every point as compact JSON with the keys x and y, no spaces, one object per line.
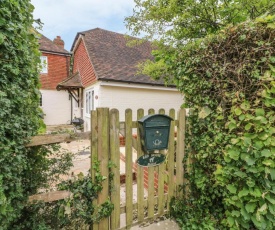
{"x":43,"y":64}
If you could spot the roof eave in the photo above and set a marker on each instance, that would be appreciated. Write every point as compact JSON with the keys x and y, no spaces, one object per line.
{"x":54,"y":52}
{"x":62,"y":87}
{"x":76,"y":41}
{"x":139,"y":83}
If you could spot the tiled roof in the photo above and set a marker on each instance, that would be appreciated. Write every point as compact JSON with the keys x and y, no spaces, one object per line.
{"x":45,"y":44}
{"x":113,"y":59}
{"x":73,"y":82}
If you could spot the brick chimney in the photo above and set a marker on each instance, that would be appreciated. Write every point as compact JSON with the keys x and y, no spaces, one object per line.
{"x":58,"y":41}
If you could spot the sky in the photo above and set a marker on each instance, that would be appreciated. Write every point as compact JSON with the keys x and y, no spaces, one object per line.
{"x":67,"y":17}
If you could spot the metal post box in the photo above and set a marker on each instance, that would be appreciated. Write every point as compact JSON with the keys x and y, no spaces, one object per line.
{"x":154,"y":131}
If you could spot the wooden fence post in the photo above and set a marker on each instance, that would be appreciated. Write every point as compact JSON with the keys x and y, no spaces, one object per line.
{"x":115,"y":159}
{"x":151,"y":187}
{"x":100,"y":128}
{"x":161,"y":175}
{"x":94,"y":157}
{"x":190,"y":159}
{"x":140,"y":173}
{"x":129,"y":168}
{"x":180,"y":151}
{"x":171,"y":152}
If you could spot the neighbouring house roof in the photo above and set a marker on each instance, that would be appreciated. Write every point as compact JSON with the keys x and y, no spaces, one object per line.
{"x":47,"y":45}
{"x":113,"y":59}
{"x":73,"y":82}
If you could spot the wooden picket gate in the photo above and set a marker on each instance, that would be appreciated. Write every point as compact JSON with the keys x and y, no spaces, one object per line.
{"x":105,"y":147}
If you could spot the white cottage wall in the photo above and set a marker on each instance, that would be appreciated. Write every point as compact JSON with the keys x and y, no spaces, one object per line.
{"x":56,"y":106}
{"x":136,"y":98}
{"x":133,"y":96}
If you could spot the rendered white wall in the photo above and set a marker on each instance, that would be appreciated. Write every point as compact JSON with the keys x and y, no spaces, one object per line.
{"x":57,"y":107}
{"x":122,"y":98}
{"x":76,"y":109}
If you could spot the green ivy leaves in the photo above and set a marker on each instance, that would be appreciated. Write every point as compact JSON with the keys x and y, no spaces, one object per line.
{"x":19,"y":115}
{"x":204,"y":112}
{"x":232,"y":129}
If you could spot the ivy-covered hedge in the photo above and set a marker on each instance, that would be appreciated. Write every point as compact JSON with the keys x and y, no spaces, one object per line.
{"x":19,"y":115}
{"x":229,"y":81}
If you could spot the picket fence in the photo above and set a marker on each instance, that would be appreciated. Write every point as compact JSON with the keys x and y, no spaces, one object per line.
{"x":162,"y":182}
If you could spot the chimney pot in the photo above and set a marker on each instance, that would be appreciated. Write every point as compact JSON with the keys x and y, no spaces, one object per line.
{"x":59,"y":42}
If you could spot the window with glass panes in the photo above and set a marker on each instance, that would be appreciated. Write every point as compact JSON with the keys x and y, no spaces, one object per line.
{"x":89,"y":101}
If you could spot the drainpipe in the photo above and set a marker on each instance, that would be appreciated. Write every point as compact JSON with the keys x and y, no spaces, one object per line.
{"x":71,"y":108}
{"x":81,"y":103}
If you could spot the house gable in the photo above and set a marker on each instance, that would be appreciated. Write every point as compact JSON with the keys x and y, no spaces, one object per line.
{"x":83,"y":64}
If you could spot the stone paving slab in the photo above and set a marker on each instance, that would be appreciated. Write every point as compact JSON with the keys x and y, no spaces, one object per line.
{"x":161,"y":225}
{"x":81,"y":151}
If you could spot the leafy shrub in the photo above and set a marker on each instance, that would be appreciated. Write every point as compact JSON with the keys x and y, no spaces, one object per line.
{"x":229,"y":81}
{"x":19,"y":115}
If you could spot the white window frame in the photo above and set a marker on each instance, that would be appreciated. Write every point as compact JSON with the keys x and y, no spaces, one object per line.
{"x":89,"y":101}
{"x":43,"y":64}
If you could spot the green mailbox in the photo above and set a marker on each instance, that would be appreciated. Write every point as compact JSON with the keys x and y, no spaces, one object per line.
{"x":154,"y":131}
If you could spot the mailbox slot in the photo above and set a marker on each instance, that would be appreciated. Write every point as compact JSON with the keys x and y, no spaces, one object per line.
{"x":154,"y":132}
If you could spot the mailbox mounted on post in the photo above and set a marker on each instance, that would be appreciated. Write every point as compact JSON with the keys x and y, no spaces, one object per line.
{"x":154,"y":131}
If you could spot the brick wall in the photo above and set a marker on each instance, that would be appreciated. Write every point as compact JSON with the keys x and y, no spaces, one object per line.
{"x":58,"y":70}
{"x":83,"y":65}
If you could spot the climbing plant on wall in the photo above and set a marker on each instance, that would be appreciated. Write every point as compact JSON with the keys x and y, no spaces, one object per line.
{"x":229,"y":81}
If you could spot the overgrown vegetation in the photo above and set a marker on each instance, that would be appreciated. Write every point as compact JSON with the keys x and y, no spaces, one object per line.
{"x":169,"y":23}
{"x":47,"y":164}
{"x":75,"y":212}
{"x":229,"y":81}
{"x":19,"y":114}
{"x":174,"y":21}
